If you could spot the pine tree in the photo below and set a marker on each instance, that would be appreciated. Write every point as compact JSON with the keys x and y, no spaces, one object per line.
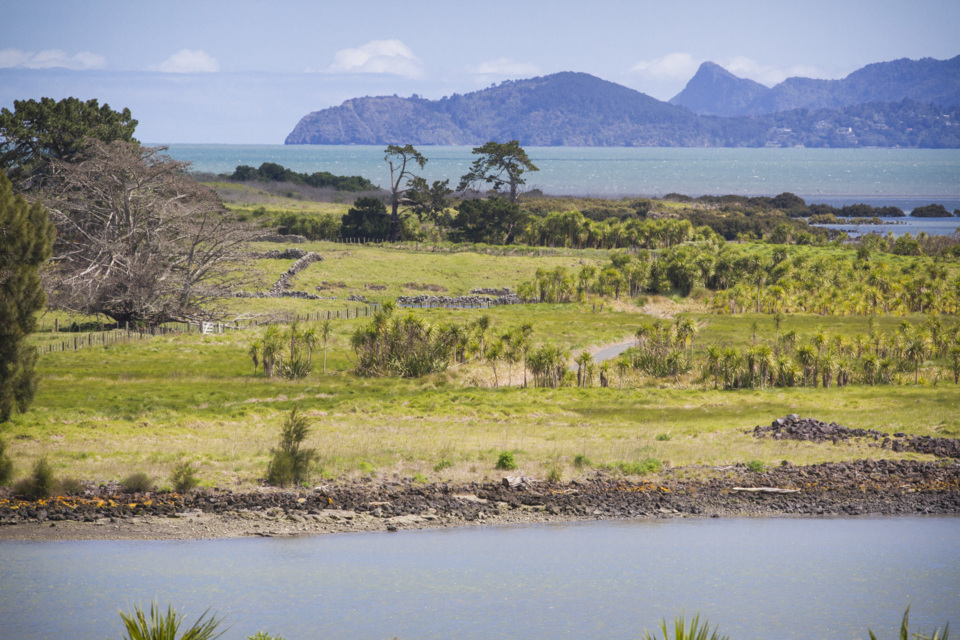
{"x":26,"y":239}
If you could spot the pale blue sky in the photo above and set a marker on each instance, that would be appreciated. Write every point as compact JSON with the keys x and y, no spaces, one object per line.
{"x":247,"y":71}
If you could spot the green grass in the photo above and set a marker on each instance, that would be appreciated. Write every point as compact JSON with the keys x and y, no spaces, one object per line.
{"x":105,"y":413}
{"x":102,"y":413}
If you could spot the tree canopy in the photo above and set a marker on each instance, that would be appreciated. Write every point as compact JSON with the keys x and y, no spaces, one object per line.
{"x":273,"y":172}
{"x":26,"y":236}
{"x":36,"y":133}
{"x":402,"y":177}
{"x":138,"y":239}
{"x":499,"y":165}
{"x":494,"y":221}
{"x":367,"y":218}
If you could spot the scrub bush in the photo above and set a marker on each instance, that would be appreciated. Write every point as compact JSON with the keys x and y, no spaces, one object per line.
{"x":138,"y":482}
{"x":40,"y":484}
{"x":506,"y":462}
{"x":291,"y":463}
{"x":184,"y":477}
{"x":6,"y":465}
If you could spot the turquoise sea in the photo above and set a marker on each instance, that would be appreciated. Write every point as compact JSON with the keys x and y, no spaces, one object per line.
{"x":899,"y":177}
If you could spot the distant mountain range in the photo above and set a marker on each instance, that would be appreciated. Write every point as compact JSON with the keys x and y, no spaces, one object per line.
{"x":903,"y":103}
{"x":715,"y":91}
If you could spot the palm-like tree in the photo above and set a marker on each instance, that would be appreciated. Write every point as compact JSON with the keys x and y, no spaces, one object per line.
{"x":955,"y":363}
{"x":916,"y":351}
{"x":807,"y":357}
{"x":481,"y":325}
{"x":584,"y":360}
{"x":256,"y":354}
{"x":326,"y":334}
{"x":778,"y":318}
{"x":272,"y":353}
{"x":870,"y":365}
{"x":495,"y":353}
{"x":309,"y":339}
{"x":827,"y":364}
{"x":623,"y":363}
{"x":686,"y":328}
{"x":714,"y":358}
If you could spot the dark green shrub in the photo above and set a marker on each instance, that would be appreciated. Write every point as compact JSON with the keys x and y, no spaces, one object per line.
{"x":640,"y":467}
{"x":40,"y":484}
{"x":554,"y":473}
{"x":581,"y":460}
{"x":756,"y":466}
{"x":184,"y":477}
{"x":663,"y":437}
{"x":138,"y":482}
{"x":291,"y":463}
{"x":6,"y":465}
{"x":441,"y":465}
{"x":505,"y":461}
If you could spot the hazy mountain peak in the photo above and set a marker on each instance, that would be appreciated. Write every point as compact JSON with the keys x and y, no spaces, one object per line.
{"x":715,"y":91}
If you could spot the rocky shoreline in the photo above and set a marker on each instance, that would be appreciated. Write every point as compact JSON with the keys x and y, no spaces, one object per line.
{"x":864,"y":487}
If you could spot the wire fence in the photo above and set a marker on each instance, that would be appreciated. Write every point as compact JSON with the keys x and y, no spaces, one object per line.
{"x":77,"y":341}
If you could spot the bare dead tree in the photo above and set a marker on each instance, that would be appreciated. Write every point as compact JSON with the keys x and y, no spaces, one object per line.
{"x":138,"y":240}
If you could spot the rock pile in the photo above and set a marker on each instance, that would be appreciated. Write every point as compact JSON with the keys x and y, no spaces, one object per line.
{"x":281,"y":286}
{"x":276,"y":237}
{"x":458,"y":302}
{"x":861,"y":487}
{"x":492,"y":292}
{"x":277,"y":254}
{"x":793,"y":427}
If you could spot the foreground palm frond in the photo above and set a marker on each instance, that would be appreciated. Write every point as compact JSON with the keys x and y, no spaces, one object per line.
{"x":906,"y":635}
{"x":696,"y":631}
{"x":164,"y":626}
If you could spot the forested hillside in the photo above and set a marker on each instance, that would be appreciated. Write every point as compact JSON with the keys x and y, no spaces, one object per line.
{"x":897,"y":104}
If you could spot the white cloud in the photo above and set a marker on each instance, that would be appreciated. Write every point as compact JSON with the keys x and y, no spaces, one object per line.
{"x":378,"y":56}
{"x":188,"y":61}
{"x":49,"y":59}
{"x":670,"y":66}
{"x":504,"y":67}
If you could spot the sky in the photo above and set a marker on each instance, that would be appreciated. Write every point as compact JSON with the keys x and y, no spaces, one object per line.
{"x":245,"y":72}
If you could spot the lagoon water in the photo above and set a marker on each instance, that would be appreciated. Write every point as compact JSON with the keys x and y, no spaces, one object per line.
{"x":899,"y":177}
{"x":777,"y":578}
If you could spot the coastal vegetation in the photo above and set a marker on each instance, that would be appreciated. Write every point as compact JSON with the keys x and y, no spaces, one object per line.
{"x":157,"y":625}
{"x":727,"y":307}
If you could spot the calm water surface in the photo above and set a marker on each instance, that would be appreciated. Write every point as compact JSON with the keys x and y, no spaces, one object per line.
{"x":756,"y":578}
{"x":901,"y":177}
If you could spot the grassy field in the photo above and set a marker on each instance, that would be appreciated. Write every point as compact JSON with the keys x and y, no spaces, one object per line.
{"x":105,"y":412}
